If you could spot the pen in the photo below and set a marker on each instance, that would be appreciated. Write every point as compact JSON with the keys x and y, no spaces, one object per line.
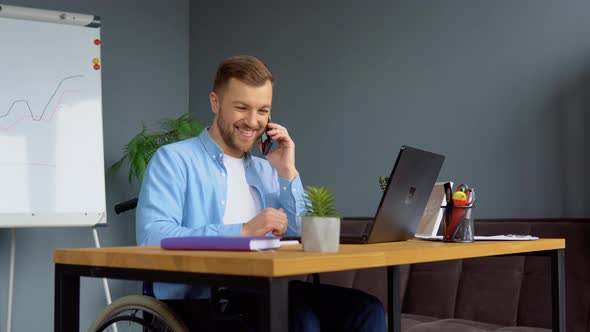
{"x":470,"y":196}
{"x":448,"y":193}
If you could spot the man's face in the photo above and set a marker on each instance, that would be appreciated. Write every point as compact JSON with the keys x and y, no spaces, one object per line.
{"x":241,"y":116}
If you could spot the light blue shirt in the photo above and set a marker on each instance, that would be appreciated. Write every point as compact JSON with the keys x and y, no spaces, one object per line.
{"x":184,"y":192}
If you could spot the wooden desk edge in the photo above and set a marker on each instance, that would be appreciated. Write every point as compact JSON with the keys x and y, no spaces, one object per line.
{"x":290,"y":266}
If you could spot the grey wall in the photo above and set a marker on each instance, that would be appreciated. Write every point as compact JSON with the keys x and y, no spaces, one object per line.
{"x":145,"y":78}
{"x":497,"y":86}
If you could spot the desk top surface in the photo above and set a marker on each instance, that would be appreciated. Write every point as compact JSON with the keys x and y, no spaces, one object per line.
{"x":292,"y":260}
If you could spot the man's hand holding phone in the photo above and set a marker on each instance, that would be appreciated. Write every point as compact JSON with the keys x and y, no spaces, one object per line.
{"x":282,"y":158}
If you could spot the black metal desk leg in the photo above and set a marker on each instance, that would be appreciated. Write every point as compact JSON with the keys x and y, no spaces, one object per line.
{"x":558,"y":289}
{"x":316,"y":278}
{"x":275,"y":306}
{"x":394,"y":311}
{"x":66,"y":317}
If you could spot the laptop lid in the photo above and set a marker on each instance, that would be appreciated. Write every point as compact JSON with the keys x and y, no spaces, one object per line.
{"x":411,"y":181}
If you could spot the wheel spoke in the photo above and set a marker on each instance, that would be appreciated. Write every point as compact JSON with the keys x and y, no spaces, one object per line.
{"x":135,"y":311}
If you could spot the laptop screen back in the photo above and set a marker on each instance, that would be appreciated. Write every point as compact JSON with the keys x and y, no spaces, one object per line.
{"x":404,"y":200}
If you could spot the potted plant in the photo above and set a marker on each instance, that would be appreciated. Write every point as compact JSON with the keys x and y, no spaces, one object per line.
{"x":320,"y":226}
{"x":383,"y":182}
{"x":141,"y":148}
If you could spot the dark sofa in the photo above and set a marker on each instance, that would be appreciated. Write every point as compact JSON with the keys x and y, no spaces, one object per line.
{"x":492,"y":293}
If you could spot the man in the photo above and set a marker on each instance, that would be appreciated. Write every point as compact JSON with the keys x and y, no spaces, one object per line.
{"x":212,"y":185}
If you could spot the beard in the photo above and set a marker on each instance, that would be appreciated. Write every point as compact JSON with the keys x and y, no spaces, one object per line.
{"x":230,"y":137}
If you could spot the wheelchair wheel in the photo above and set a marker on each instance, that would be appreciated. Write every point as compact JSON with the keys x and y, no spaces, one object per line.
{"x":135,"y":311}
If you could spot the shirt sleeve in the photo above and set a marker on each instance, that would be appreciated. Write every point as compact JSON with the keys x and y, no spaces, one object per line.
{"x":292,"y":200}
{"x":161,"y":201}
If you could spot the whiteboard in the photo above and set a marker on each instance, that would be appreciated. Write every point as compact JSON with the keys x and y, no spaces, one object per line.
{"x":51,"y":138}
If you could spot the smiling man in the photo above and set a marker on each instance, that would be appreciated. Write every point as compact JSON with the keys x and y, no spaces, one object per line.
{"x":212,"y":185}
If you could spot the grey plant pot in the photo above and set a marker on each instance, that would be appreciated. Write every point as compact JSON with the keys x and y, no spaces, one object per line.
{"x":320,"y":233}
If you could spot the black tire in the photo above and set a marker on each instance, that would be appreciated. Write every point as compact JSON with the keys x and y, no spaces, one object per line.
{"x":133,"y":309}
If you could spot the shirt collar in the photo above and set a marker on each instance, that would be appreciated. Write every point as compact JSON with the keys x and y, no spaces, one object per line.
{"x":215,"y":152}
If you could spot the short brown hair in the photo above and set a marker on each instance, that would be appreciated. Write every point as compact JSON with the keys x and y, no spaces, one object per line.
{"x":245,"y":68}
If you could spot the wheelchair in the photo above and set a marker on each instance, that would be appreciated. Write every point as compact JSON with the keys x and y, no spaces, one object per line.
{"x":146,"y":313}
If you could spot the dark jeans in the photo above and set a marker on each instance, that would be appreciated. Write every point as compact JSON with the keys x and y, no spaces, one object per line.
{"x":311,"y":308}
{"x":317,"y":307}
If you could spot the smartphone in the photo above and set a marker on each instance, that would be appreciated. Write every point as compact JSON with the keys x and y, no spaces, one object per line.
{"x":266,"y":141}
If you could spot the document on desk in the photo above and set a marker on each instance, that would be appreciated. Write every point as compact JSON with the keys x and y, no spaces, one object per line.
{"x":289,"y":242}
{"x":508,"y":237}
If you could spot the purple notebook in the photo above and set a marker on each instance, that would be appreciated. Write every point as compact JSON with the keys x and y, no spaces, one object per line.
{"x":231,"y":243}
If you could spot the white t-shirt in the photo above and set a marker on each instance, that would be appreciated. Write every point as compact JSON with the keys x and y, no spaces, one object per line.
{"x":242,"y":203}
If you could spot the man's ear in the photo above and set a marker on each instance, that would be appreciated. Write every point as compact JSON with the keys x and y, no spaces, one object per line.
{"x":214,"y":101}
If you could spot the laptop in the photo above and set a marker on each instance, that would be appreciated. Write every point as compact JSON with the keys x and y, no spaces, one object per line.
{"x":403,"y":202}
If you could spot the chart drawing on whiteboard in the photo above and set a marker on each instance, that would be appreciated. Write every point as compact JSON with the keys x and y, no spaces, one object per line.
{"x":51,"y":143}
{"x":26,"y":102}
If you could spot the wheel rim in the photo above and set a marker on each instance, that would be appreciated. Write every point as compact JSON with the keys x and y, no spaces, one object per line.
{"x":134,"y":317}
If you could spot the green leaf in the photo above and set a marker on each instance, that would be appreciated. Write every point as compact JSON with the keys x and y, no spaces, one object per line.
{"x":319,"y":202}
{"x":383,"y":180}
{"x":142,"y":147}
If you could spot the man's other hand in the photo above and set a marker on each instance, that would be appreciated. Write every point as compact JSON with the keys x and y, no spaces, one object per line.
{"x":269,"y":220}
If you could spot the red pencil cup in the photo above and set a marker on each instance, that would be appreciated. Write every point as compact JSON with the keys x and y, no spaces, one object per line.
{"x":458,"y":224}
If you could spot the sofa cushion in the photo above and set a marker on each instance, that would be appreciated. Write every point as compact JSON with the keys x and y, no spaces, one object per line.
{"x":409,"y":320}
{"x":489,"y":289}
{"x":432,"y":289}
{"x":419,"y":323}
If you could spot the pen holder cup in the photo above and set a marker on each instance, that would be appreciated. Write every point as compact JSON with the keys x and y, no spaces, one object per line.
{"x":458,"y":224}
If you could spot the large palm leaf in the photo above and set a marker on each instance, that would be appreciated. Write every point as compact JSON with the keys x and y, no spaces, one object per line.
{"x":140,"y":150}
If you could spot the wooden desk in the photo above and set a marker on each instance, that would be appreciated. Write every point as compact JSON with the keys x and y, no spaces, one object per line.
{"x":267,"y":271}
